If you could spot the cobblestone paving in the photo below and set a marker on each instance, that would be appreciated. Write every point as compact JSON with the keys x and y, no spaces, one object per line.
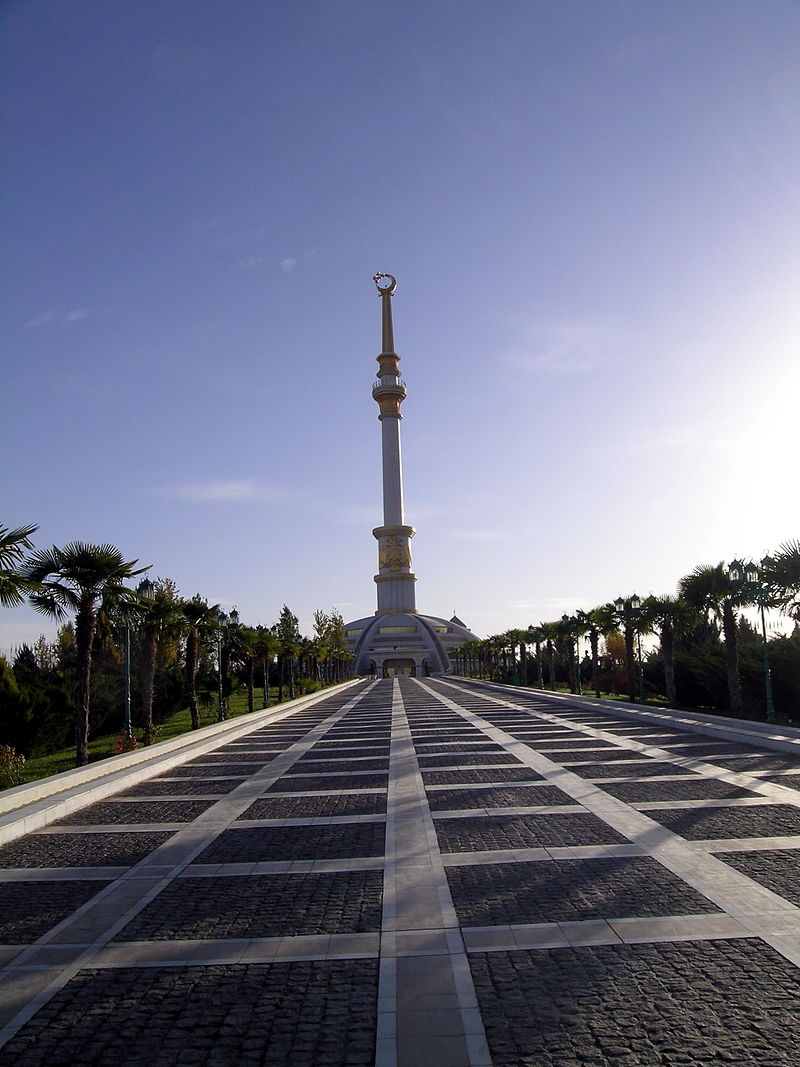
{"x":493,"y":894}
{"x":256,"y":843}
{"x":532,"y":796}
{"x":327,"y":784}
{"x":490,"y":774}
{"x":522,"y":831}
{"x":157,"y":787}
{"x":109,"y":813}
{"x":708,"y":1002}
{"x":295,"y":807}
{"x":81,"y":850}
{"x":697,"y":824}
{"x":693,"y":789}
{"x":283,"y":1014}
{"x":777,"y":869}
{"x":261,"y":906}
{"x":30,"y":909}
{"x":649,"y":969}
{"x":651,"y":769}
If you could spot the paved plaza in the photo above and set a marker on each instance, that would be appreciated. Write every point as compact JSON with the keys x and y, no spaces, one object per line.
{"x":416,"y":872}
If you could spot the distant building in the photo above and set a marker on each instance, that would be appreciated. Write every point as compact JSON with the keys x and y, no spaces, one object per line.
{"x":397,"y":639}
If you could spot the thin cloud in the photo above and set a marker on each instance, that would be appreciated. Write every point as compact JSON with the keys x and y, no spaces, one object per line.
{"x":288,"y":265}
{"x":222,"y":492}
{"x":556,"y":347}
{"x":53,"y":315}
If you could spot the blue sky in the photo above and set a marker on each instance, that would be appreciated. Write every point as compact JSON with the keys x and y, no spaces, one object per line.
{"x":592,"y":210}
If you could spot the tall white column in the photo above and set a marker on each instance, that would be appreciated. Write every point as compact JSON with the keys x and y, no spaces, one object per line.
{"x":395,"y":579}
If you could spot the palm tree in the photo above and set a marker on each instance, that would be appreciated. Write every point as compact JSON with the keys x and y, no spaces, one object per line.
{"x":673,"y":617}
{"x":710,"y":590}
{"x":200,"y":622}
{"x":599,"y":622}
{"x":158,"y":618}
{"x":266,"y":647}
{"x":13,"y":546}
{"x":80,"y":578}
{"x":781,"y":575}
{"x":287,"y":633}
{"x":551,"y":632}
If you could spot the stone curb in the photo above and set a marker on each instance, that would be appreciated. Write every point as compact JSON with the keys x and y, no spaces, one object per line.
{"x":29,"y":807}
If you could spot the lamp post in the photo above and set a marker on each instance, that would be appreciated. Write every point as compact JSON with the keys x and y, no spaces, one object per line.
{"x":629,"y":611}
{"x":570,"y":626}
{"x":745,"y":576}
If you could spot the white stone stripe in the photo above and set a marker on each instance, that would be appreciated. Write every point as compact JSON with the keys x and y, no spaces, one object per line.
{"x":757,"y":908}
{"x":427,"y":1008}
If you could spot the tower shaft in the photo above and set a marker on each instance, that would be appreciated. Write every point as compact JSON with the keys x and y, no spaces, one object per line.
{"x":395,"y":579}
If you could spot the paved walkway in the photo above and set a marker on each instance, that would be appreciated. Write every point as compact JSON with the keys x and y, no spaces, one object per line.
{"x":413,"y":873}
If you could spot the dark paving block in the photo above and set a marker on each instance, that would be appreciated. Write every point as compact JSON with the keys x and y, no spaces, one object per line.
{"x":459,"y":760}
{"x":318,"y":783}
{"x":110,"y":813}
{"x":596,"y":749}
{"x":493,"y":797}
{"x":690,"y":789}
{"x":211,"y":770}
{"x":29,"y":909}
{"x":281,"y":1014}
{"x":700,"y":1002}
{"x":791,"y":781}
{"x":771,"y":762}
{"x":777,"y":869}
{"x":696,"y":824}
{"x":321,"y":766}
{"x":257,"y":843}
{"x":495,"y":894}
{"x":82,"y":850}
{"x":489,"y":774}
{"x":188,"y":787}
{"x":311,"y":807}
{"x":644,"y":769}
{"x":261,"y":906}
{"x":523,"y":831}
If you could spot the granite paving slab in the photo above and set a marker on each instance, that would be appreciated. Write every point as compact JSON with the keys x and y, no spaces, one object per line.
{"x":186,"y":787}
{"x":261,"y":906}
{"x":29,"y":909}
{"x":478,"y":834}
{"x":494,"y":797}
{"x":771,"y":762}
{"x":328,"y":783}
{"x":110,"y":812}
{"x":321,"y":766}
{"x":699,"y":824}
{"x":570,"y":890}
{"x":295,"y":843}
{"x":649,"y":769}
{"x":482,"y":776}
{"x":464,"y":760}
{"x":693,"y":789}
{"x":281,"y":1014}
{"x":692,"y":1003}
{"x":293,"y":807}
{"x":777,"y":869}
{"x":82,"y":850}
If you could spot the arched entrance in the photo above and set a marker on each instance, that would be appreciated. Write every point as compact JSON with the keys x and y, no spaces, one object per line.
{"x":392,"y":667}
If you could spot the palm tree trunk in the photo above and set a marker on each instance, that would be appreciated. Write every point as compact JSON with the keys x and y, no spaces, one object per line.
{"x":148,"y":681}
{"x":551,"y":665}
{"x":251,"y":683}
{"x":668,"y":653}
{"x":192,"y":650}
{"x":85,"y":625}
{"x":732,"y":661}
{"x":281,"y":676}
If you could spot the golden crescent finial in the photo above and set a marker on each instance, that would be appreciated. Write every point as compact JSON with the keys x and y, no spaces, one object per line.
{"x":390,"y":288}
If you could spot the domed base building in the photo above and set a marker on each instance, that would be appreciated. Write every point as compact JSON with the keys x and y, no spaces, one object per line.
{"x":418,"y":645}
{"x":397,"y":639}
